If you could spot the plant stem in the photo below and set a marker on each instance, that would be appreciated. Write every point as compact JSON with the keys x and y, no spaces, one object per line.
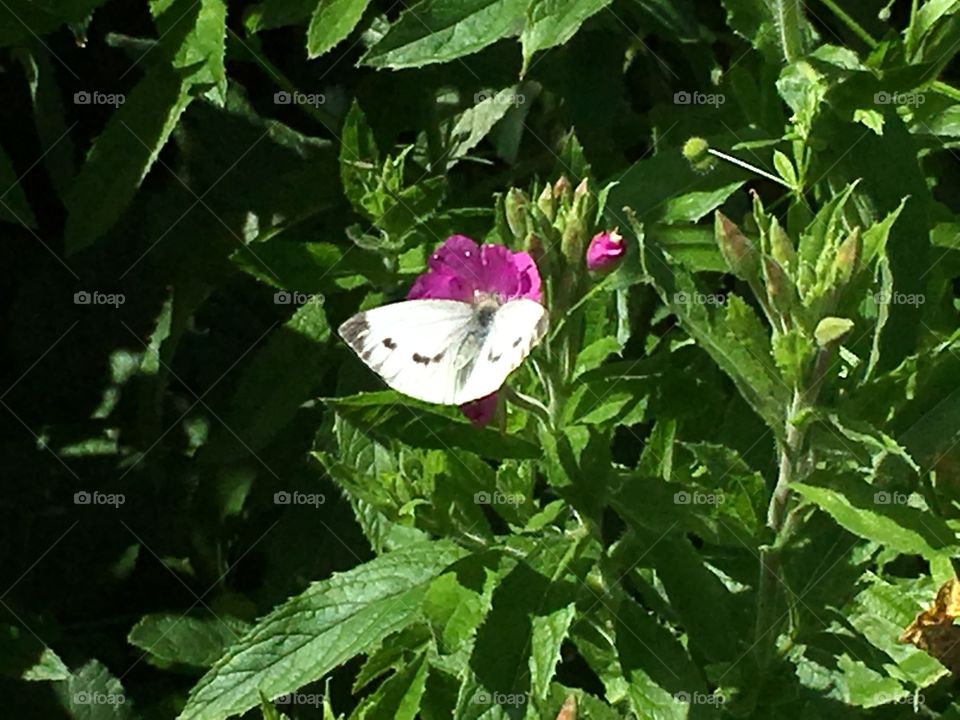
{"x":770,"y":558}
{"x":855,"y":27}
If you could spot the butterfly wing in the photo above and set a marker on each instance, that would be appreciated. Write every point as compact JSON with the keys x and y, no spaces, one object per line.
{"x":517,"y":326}
{"x":416,"y":346}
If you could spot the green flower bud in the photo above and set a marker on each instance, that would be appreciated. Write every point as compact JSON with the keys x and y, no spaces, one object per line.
{"x":780,"y":245}
{"x":547,"y":203}
{"x":780,"y":289}
{"x":697,"y":152}
{"x":563,"y":191}
{"x":515,"y":208}
{"x":739,"y":252}
{"x":848,"y":258}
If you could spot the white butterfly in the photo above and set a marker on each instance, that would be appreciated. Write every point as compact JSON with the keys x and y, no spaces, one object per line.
{"x":446,"y":351}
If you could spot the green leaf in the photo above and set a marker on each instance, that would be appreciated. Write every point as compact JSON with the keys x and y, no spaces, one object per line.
{"x":553,"y":22}
{"x":332,"y":22}
{"x":399,"y":697}
{"x":869,"y":513}
{"x":308,"y":267}
{"x":441,"y":30}
{"x":122,"y":155}
{"x":93,"y":693}
{"x":547,"y":635}
{"x":24,"y":657}
{"x":662,"y":677}
{"x":387,"y":414}
{"x":474,"y":124}
{"x":311,"y":634}
{"x":48,"y":117}
{"x":180,"y":639}
{"x":734,"y":337}
{"x":21,"y":21}
{"x":13,"y":202}
{"x":691,"y":207}
{"x":194,"y":33}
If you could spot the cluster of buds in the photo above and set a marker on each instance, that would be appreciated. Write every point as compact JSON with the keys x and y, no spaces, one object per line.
{"x":562,"y":217}
{"x":800,"y":287}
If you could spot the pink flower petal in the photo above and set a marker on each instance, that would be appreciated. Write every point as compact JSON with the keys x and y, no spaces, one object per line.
{"x":459,"y":256}
{"x":500,"y":274}
{"x":440,"y":286}
{"x":529,"y":277}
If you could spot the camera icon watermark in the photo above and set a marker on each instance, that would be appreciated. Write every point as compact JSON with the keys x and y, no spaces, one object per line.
{"x":85,"y":497}
{"x":899,"y":298}
{"x":84,"y":297}
{"x":283,"y":497}
{"x":85,"y":97}
{"x":282,"y":97}
{"x":88,"y":697}
{"x":698,"y":498}
{"x":298,"y":698}
{"x":498,"y":498}
{"x":501,"y":98}
{"x":685,"y":97}
{"x":699,"y":698}
{"x":699,"y":298}
{"x":284,"y":297}
{"x":883,"y":497}
{"x":899,"y":98}
{"x":485,"y":697}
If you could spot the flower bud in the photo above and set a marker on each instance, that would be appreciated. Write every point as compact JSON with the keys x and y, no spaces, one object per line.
{"x":606,"y":251}
{"x":780,"y":245}
{"x":562,"y":190}
{"x":848,"y":258}
{"x":780,"y":289}
{"x":480,"y":412}
{"x":515,"y":208}
{"x":697,"y":152}
{"x":739,"y":252}
{"x":547,"y":203}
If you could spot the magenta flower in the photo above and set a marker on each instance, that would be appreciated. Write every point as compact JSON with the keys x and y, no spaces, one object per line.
{"x":459,"y":269}
{"x":605,"y":251}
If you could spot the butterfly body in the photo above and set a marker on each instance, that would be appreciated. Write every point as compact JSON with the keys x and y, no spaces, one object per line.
{"x":446,"y":351}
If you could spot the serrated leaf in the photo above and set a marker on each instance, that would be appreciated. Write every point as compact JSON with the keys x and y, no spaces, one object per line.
{"x":168,"y":638}
{"x":547,"y":635}
{"x":122,"y":156}
{"x":864,"y":511}
{"x":441,"y":30}
{"x":332,"y":22}
{"x":193,"y":33}
{"x":21,"y":21}
{"x":389,"y":415}
{"x":313,"y":633}
{"x":93,"y":693}
{"x":553,"y":22}
{"x":24,"y":657}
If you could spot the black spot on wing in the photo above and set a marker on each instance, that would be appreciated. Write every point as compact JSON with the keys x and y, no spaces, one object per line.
{"x":425,"y":360}
{"x":389,"y":344}
{"x":494,"y":358}
{"x":517,"y":342}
